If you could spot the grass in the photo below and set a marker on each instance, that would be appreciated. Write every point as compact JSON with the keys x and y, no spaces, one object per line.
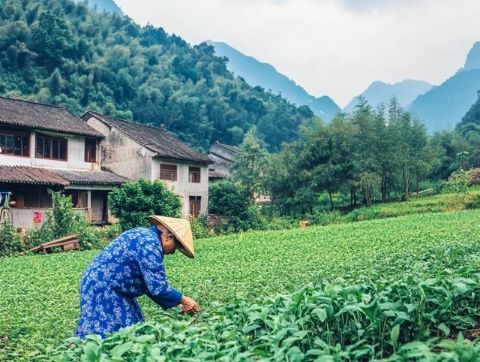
{"x":39,"y":301}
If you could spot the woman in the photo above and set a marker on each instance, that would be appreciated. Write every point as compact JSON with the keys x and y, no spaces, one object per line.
{"x":132,"y":265}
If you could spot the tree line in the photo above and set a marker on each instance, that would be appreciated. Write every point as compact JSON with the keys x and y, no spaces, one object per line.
{"x":371,"y":155}
{"x":63,"y":53}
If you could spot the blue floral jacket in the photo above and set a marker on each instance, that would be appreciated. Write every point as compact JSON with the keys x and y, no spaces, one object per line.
{"x":132,"y":265}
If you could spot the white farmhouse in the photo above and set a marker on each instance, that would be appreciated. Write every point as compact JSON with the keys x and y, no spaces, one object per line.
{"x":45,"y":147}
{"x":135,"y":151}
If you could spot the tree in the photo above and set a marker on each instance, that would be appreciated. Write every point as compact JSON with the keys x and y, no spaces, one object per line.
{"x":133,"y":202}
{"x":233,"y":202}
{"x":51,"y":39}
{"x":248,"y":168}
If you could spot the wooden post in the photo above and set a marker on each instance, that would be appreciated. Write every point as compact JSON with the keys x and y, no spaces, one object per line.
{"x":89,"y":205}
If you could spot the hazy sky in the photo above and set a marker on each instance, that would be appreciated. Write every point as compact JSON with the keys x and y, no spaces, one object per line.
{"x":329,"y":47}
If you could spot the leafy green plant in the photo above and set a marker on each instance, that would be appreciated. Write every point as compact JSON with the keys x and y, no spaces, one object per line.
{"x":10,"y":241}
{"x":366,"y":320}
{"x":233,"y":202}
{"x":133,"y":202}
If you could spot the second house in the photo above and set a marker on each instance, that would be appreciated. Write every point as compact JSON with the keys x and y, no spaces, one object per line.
{"x":137,"y":151}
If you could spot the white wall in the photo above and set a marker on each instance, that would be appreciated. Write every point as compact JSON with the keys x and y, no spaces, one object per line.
{"x":182,"y":186}
{"x":122,"y":155}
{"x":75,"y":155}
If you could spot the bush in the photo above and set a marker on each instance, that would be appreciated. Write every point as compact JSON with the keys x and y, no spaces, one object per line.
{"x":133,"y":202}
{"x":63,"y":221}
{"x":325,"y":217}
{"x":10,"y":241}
{"x":199,"y":228}
{"x":234,"y":204}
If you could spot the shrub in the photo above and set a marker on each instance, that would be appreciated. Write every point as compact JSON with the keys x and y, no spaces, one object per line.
{"x":199,"y":228}
{"x":325,"y":217}
{"x":10,"y":241}
{"x":134,"y":201}
{"x":63,"y":221}
{"x":233,"y":202}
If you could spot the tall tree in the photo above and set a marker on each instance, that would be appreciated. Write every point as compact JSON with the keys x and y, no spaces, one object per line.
{"x":250,"y":163}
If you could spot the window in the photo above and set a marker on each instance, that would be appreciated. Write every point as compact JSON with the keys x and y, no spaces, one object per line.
{"x":195,"y":203}
{"x":50,"y":147}
{"x":90,"y":150}
{"x":14,"y":143}
{"x":168,"y":172}
{"x":194,"y":174}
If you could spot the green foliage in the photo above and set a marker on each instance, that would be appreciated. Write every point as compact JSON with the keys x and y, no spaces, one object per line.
{"x":369,"y":154}
{"x":349,"y":257}
{"x":10,"y":241}
{"x":345,"y":322}
{"x":458,"y":182}
{"x":199,"y":228}
{"x":249,"y":166}
{"x":63,"y":53}
{"x":234,"y":204}
{"x":133,"y":202}
{"x":63,"y":221}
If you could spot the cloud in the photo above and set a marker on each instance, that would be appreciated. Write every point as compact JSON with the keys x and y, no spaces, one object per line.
{"x":332,"y":47}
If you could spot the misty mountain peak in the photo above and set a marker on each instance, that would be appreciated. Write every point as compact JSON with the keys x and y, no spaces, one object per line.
{"x":473,"y":57}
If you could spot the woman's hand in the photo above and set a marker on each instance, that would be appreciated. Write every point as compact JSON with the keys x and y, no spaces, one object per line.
{"x":188,"y":305}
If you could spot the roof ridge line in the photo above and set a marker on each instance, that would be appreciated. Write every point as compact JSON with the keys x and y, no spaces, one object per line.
{"x":129,"y":121}
{"x":32,"y":102}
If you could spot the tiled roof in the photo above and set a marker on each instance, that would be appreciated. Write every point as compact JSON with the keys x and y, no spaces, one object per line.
{"x":155,"y":139}
{"x":30,"y":175}
{"x":77,"y":177}
{"x":16,"y":112}
{"x":54,"y":177}
{"x":231,"y":148}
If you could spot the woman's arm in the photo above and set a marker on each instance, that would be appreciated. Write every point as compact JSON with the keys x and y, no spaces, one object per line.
{"x":150,"y":260}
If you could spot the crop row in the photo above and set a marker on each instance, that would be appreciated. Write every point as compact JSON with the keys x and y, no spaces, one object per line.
{"x":344,"y":322}
{"x":39,"y":294}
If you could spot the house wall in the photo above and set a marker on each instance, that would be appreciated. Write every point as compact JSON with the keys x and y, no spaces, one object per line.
{"x":75,"y":155}
{"x":122,"y":155}
{"x":127,"y":158}
{"x":182,"y":187}
{"x":222,"y":158}
{"x":23,"y":218}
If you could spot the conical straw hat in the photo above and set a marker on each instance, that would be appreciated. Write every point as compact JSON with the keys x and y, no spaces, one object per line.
{"x":178,"y":227}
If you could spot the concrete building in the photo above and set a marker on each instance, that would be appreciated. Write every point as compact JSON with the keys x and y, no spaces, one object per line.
{"x":222,"y":156}
{"x":136,"y":151}
{"x":45,"y":147}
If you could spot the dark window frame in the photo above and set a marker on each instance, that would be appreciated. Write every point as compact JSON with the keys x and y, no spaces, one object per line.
{"x":196,"y":201}
{"x":168,"y":172}
{"x":88,"y":155}
{"x":194,"y":174}
{"x":51,"y":141}
{"x":24,"y":138}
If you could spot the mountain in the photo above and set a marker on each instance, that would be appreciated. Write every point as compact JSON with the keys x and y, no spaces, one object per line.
{"x":266,"y":76}
{"x":104,"y":5}
{"x":473,"y":58}
{"x":379,"y":92}
{"x":444,"y":106}
{"x":64,"y":53}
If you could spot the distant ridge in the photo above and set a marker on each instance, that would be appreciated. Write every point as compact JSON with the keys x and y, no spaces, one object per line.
{"x":266,"y":76}
{"x":380,"y":92}
{"x":443,"y":107}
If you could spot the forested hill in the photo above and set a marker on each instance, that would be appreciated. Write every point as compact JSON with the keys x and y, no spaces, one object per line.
{"x":104,"y":5}
{"x":60,"y":52}
{"x":266,"y":76}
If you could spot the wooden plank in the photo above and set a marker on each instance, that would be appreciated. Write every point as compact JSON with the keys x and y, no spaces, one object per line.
{"x":58,"y":242}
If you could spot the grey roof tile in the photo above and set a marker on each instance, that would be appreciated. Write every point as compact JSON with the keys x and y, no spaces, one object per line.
{"x":17,"y":112}
{"x":155,"y":139}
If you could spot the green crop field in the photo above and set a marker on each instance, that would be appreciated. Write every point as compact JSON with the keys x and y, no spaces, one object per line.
{"x":237,"y":277}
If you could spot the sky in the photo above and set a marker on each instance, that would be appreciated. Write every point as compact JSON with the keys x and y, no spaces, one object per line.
{"x":329,"y":47}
